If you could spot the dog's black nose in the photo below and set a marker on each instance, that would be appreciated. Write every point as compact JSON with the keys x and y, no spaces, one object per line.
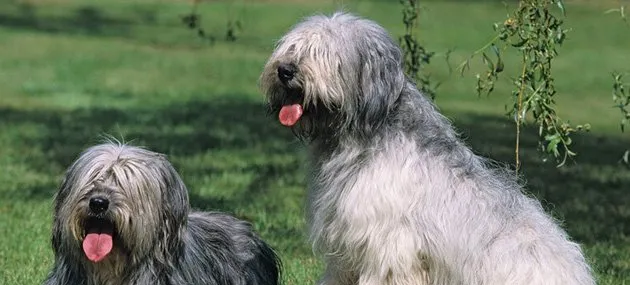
{"x":286,"y":72}
{"x":98,"y":204}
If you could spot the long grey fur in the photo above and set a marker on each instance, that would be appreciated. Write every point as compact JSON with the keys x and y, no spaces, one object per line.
{"x":158,"y":239}
{"x":395,"y":196}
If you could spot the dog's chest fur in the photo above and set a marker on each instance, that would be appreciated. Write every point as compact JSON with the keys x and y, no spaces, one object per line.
{"x":358,"y":195}
{"x":116,"y":271}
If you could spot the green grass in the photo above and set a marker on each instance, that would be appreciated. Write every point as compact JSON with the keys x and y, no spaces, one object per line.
{"x":73,"y":70}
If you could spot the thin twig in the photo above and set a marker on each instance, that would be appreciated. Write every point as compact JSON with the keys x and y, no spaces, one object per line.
{"x":518,"y":116}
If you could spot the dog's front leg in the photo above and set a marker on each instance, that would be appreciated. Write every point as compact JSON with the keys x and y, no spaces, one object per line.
{"x":417,"y":276}
{"x":392,"y":257}
{"x":335,"y":275}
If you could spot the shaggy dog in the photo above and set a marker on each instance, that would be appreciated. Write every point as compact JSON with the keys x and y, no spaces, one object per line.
{"x":122,"y":216}
{"x":395,"y":197}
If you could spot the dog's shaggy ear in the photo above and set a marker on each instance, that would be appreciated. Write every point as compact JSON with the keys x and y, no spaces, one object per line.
{"x":60,"y":197}
{"x":175,"y":203}
{"x":174,"y":196}
{"x":381,"y":79}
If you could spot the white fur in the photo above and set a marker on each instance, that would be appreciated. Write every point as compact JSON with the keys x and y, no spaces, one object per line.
{"x":419,"y":223}
{"x":395,"y":197}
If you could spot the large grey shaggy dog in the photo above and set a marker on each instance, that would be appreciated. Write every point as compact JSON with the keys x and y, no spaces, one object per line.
{"x":395,"y":197}
{"x":122,"y":217}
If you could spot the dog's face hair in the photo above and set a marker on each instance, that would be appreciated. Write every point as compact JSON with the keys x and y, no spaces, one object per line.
{"x":129,"y":195}
{"x":335,"y":75}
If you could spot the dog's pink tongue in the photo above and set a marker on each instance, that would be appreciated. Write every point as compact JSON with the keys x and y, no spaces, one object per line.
{"x":97,"y":246}
{"x":290,"y":114}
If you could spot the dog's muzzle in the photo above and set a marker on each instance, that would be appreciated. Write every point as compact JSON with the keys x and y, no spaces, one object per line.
{"x":99,"y":230}
{"x":291,"y":111}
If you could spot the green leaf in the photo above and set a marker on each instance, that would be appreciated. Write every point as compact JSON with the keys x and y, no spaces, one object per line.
{"x":520,"y":44}
{"x":487,"y":61}
{"x":500,"y":66}
{"x":612,"y":10}
{"x":552,"y":147}
{"x":463,"y":67}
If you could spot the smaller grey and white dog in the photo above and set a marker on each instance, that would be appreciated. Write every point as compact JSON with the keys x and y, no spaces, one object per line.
{"x":122,"y":216}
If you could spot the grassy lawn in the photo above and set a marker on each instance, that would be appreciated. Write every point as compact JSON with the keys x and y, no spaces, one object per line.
{"x":73,"y":70}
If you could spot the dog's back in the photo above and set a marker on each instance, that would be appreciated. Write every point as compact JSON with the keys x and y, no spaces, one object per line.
{"x":228,"y":251}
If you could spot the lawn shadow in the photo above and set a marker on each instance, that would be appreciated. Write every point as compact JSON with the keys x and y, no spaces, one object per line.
{"x":138,"y":23}
{"x":589,"y":195}
{"x":82,"y":20}
{"x":179,"y":130}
